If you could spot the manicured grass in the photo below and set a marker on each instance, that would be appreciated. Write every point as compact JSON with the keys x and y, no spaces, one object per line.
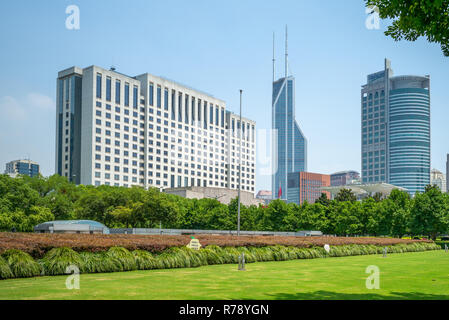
{"x":421,"y":275}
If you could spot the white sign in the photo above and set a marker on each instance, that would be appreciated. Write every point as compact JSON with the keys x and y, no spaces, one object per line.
{"x":194,"y":244}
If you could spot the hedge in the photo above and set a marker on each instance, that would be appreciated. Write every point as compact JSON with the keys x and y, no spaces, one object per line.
{"x":17,"y":264}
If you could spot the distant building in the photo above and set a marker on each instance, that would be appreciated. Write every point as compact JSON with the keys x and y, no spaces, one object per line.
{"x":396,"y":130}
{"x":148,"y":131}
{"x":344,"y":177}
{"x":265,"y":195}
{"x":223,"y":195}
{"x":290,"y":154}
{"x":364,"y":190}
{"x":72,"y":226}
{"x":437,"y":178}
{"x":447,"y":173}
{"x":306,"y":186}
{"x":25,"y":167}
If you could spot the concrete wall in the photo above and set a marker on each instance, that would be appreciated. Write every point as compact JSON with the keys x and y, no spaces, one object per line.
{"x":223,"y":195}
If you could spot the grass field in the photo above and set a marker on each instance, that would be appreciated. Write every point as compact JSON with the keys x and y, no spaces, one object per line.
{"x":422,"y":275}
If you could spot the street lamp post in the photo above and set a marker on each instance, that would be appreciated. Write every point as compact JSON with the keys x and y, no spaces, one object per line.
{"x":240,"y":165}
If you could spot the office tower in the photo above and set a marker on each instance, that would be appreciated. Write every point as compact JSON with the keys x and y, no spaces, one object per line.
{"x":290,"y":147}
{"x":147,"y":131}
{"x":24,"y":167}
{"x":344,"y":178}
{"x":307,"y":186}
{"x":447,"y":173}
{"x":438,"y":179}
{"x":396,"y":130}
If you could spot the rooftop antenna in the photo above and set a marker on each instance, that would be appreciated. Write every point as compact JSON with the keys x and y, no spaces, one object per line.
{"x":286,"y":51}
{"x":274,"y":61}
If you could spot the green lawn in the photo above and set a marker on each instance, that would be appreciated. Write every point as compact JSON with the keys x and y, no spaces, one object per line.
{"x":423,"y":275}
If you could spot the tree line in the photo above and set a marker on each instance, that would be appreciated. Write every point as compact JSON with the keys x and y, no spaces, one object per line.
{"x":26,"y":202}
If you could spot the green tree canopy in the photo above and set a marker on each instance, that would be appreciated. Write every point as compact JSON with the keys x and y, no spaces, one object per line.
{"x":416,"y":18}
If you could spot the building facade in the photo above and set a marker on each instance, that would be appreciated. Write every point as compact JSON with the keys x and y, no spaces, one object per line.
{"x":290,"y":146}
{"x":148,"y":131}
{"x":447,"y":173}
{"x":344,"y":177}
{"x":23,"y":167}
{"x":265,"y":195}
{"x":396,"y":130}
{"x":222,"y":195}
{"x":306,"y":186}
{"x":438,"y":179}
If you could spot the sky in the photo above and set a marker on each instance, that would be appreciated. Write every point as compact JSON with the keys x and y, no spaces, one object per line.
{"x":218,"y":47}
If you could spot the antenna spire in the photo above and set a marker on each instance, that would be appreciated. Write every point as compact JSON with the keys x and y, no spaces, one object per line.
{"x":286,"y":51}
{"x":274,"y":61}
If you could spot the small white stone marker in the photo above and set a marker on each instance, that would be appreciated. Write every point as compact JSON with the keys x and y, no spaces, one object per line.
{"x":327,"y":248}
{"x":242,"y":262}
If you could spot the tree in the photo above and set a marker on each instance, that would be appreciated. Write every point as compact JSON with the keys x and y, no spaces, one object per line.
{"x":394,"y":214}
{"x":378,"y":196}
{"x":273,"y":216}
{"x":122,"y":217}
{"x":346,"y":216}
{"x":345,"y":195}
{"x":430,"y":213}
{"x":323,"y":200}
{"x":415,"y":18}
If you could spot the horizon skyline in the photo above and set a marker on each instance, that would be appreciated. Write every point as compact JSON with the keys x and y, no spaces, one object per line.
{"x":28,"y":94}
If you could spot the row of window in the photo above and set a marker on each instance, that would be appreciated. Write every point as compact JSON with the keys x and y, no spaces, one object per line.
{"x":118,"y":91}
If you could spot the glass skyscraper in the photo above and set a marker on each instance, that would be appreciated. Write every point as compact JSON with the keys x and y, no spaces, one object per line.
{"x":396,"y":130}
{"x":290,"y":148}
{"x":23,"y":167}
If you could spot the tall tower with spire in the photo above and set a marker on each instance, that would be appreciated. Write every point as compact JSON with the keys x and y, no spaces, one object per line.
{"x":290,"y":147}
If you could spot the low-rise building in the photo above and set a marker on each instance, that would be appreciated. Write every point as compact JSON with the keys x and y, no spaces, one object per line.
{"x":265,"y":196}
{"x":438,"y":179}
{"x":364,"y":190}
{"x":306,"y":186}
{"x":223,"y":195}
{"x":24,"y":167}
{"x":71,"y":226}
{"x":343,"y":178}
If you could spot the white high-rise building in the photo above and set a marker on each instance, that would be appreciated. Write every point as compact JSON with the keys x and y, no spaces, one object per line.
{"x":147,"y":131}
{"x":437,"y":178}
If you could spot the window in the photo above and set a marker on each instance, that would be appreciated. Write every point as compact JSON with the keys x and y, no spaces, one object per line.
{"x":180,"y":107}
{"x":127,"y":94}
{"x":205,"y":115}
{"x":151,"y":95}
{"x":216,"y":116}
{"x":135,"y":96}
{"x":117,"y":91}
{"x":159,"y":103}
{"x":211,"y":114}
{"x":193,"y":110}
{"x":165,"y":99}
{"x":173,"y":110}
{"x":186,"y":109}
{"x":108,"y":88}
{"x":99,"y":85}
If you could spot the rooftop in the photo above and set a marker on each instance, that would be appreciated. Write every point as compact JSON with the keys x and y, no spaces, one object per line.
{"x":365,"y":189}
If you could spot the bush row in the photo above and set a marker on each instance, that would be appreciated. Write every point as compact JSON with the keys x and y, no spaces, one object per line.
{"x":38,"y":244}
{"x":17,"y":264}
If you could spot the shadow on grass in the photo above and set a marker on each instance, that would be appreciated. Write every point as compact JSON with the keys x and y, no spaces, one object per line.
{"x":328,"y":295}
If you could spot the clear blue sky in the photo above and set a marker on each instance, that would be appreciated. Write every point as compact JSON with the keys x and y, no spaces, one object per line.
{"x":218,"y":47}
